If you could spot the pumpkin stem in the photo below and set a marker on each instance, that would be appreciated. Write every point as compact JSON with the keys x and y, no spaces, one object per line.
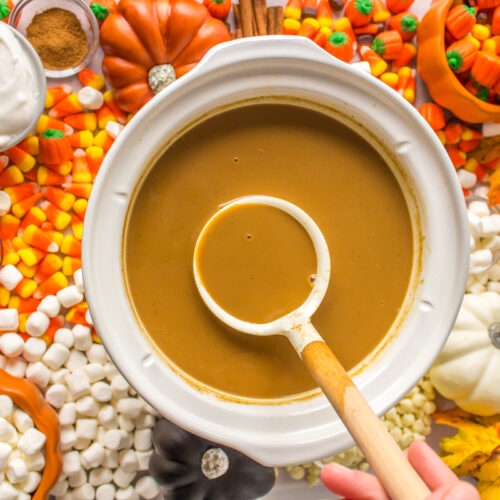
{"x":4,"y":9}
{"x":364,"y":7}
{"x":100,"y":12}
{"x":52,"y":133}
{"x":454,"y":59}
{"x":494,"y":333}
{"x":338,"y":39}
{"x":214,"y":463}
{"x":408,"y":24}
{"x":161,"y":76}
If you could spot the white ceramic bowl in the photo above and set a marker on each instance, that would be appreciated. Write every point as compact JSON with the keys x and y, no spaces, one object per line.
{"x":294,"y":431}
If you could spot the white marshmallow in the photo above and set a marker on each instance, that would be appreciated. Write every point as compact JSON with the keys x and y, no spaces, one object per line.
{"x":76,"y":361}
{"x":60,"y":488}
{"x":36,"y":462}
{"x":147,"y":488}
{"x":78,"y":384}
{"x":481,"y":191}
{"x":490,"y":129}
{"x":37,"y":324}
{"x":16,"y":470}
{"x":64,"y":336}
{"x":90,"y":98}
{"x":128,"y":460}
{"x":110,"y":459}
{"x":32,"y":442}
{"x":59,"y":376}
{"x":69,"y":296}
{"x":94,"y":372}
{"x":83,"y":337}
{"x":21,"y":495}
{"x":8,"y":492}
{"x":467,"y":179}
{"x":97,"y":354}
{"x":56,"y":356}
{"x":493,"y":286}
{"x":68,"y":437}
{"x":127,"y":494}
{"x":105,"y":492}
{"x":49,"y":306}
{"x":67,"y":414}
{"x":100,"y":476}
{"x":30,"y":484}
{"x":143,"y":439}
{"x":113,"y":129}
{"x":71,"y":462}
{"x":6,"y":406}
{"x":145,"y":421}
{"x":88,"y":318}
{"x":115,"y":439}
{"x":77,"y":479}
{"x":10,"y":276}
{"x":9,"y":319}
{"x":34,"y":349}
{"x":492,"y":242}
{"x":16,"y":367}
{"x":479,"y":208}
{"x":125,"y":423}
{"x":87,"y":407}
{"x":11,"y":344}
{"x":86,"y":428}
{"x":101,"y":392}
{"x":5,"y":451}
{"x":472,"y":243}
{"x":130,"y":407}
{"x":56,"y":395}
{"x":480,"y":259}
{"x":4,"y":203}
{"x":22,"y":421}
{"x":490,"y":225}
{"x":82,"y":444}
{"x":39,"y":374}
{"x":362,"y":66}
{"x":78,"y":279}
{"x":120,"y":387}
{"x":111,"y":371}
{"x":101,"y":431}
{"x":143,"y":458}
{"x":107,"y":417}
{"x":474,"y":224}
{"x":122,"y":479}
{"x":84,"y":492}
{"x":93,"y":456}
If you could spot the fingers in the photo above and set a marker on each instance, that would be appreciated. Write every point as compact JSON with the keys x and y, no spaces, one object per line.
{"x":457,"y":491}
{"x":352,"y":483}
{"x":429,"y":466}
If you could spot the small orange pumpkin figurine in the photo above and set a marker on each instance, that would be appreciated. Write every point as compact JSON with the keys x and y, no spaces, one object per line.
{"x":218,"y":8}
{"x":340,"y":45}
{"x":54,"y":147}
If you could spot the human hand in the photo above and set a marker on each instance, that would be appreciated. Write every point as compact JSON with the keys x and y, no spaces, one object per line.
{"x":357,"y":485}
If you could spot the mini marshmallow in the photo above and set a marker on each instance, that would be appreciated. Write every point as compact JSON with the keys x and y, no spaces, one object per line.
{"x":76,"y":361}
{"x":8,"y":492}
{"x":49,"y":306}
{"x":59,"y":376}
{"x":36,"y":462}
{"x":490,"y":129}
{"x":480,"y":259}
{"x":115,"y":439}
{"x":82,"y":444}
{"x":34,"y":349}
{"x":67,"y":414}
{"x":69,"y":296}
{"x":481,"y":191}
{"x":125,"y":423}
{"x":78,"y":384}
{"x":149,"y":409}
{"x":467,"y":179}
{"x":129,"y":441}
{"x":31,"y":442}
{"x":16,"y":470}
{"x":16,"y":367}
{"x":56,"y":395}
{"x":9,"y":319}
{"x":90,"y":98}
{"x":87,"y":406}
{"x":64,"y":336}
{"x":107,"y":417}
{"x":100,"y":476}
{"x":493,"y":286}
{"x":474,"y":226}
{"x":56,"y":356}
{"x":83,"y":337}
{"x":105,"y":492}
{"x":121,"y":478}
{"x":11,"y":344}
{"x":101,"y":392}
{"x":4,"y":203}
{"x":60,"y":488}
{"x":6,"y":406}
{"x":97,"y":354}
{"x":78,"y":279}
{"x":22,"y":421}
{"x":130,"y":407}
{"x":479,"y":208}
{"x":126,"y":494}
{"x":143,"y":439}
{"x":86,"y":428}
{"x":147,"y":488}
{"x":10,"y":276}
{"x":120,"y":387}
{"x":71,"y":462}
{"x":363,"y":66}
{"x":67,"y":437}
{"x":110,"y":459}
{"x":94,"y":372}
{"x":77,"y":479}
{"x":145,"y":421}
{"x":5,"y":451}
{"x":143,"y":458}
{"x":31,"y":482}
{"x":39,"y":374}
{"x":128,"y":460}
{"x":93,"y":456}
{"x":37,"y":324}
{"x":490,"y":225}
{"x":113,"y":129}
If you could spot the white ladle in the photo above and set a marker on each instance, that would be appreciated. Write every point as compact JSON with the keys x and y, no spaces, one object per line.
{"x":383,"y":454}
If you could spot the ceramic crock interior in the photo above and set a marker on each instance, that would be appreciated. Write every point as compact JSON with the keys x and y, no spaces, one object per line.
{"x":398,"y":171}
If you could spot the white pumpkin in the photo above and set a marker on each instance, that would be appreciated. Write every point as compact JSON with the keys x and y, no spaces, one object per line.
{"x":468,"y":368}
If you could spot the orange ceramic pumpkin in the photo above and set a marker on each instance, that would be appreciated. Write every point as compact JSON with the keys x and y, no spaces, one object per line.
{"x":149,"y":43}
{"x":434,"y":69}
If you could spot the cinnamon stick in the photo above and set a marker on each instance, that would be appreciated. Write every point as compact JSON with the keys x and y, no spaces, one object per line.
{"x":259,"y":9}
{"x":271,"y":21}
{"x":247,"y":19}
{"x":254,"y":24}
{"x":237,"y":16}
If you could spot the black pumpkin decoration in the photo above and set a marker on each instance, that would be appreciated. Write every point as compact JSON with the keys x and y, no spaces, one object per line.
{"x":192,"y":468}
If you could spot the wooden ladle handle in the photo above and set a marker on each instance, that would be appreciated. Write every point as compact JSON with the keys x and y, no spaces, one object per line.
{"x":383,"y":454}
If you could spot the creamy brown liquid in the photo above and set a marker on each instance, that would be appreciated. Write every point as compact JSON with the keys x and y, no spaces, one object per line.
{"x":256,"y":262}
{"x":304,"y":157}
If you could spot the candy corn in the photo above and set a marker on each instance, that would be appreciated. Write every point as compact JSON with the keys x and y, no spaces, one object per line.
{"x":290,"y":27}
{"x":62,"y":199}
{"x":82,"y":121}
{"x":9,"y":224}
{"x":377,"y":64}
{"x":35,"y":216}
{"x":91,"y":79}
{"x":325,"y":14}
{"x":30,"y":145}
{"x":20,"y":158}
{"x":56,"y":94}
{"x":31,"y":256}
{"x":21,"y":208}
{"x":104,"y":115}
{"x":46,"y":122}
{"x":293,"y":10}
{"x":109,"y":99}
{"x":71,"y":246}
{"x":80,"y":206}
{"x":70,"y":105}
{"x":77,"y":314}
{"x":21,"y":191}
{"x":81,"y":139}
{"x":71,"y":265}
{"x":48,"y":266}
{"x":11,"y":176}
{"x":59,"y":218}
{"x":4,"y":296}
{"x":81,"y":171}
{"x":26,"y":271}
{"x":51,"y":285}
{"x":46,"y":176}
{"x":77,"y":226}
{"x":37,"y":238}
{"x":26,"y":287}
{"x":104,"y":140}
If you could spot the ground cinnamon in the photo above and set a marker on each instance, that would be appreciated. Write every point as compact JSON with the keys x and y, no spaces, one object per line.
{"x":58,"y":37}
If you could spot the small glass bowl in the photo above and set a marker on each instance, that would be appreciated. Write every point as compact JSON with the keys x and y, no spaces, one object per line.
{"x":24,"y":11}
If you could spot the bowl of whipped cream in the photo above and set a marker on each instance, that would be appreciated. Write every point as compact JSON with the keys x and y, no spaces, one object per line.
{"x":22,"y":87}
